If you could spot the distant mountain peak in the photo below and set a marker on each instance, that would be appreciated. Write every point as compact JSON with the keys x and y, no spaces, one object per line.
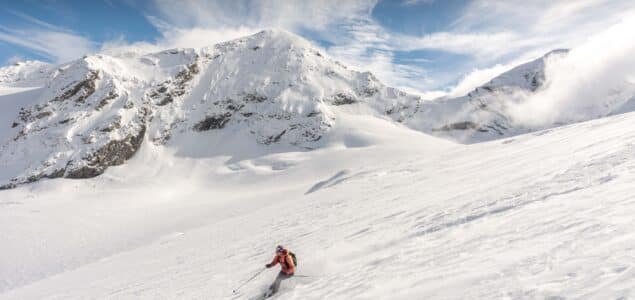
{"x":484,"y":113}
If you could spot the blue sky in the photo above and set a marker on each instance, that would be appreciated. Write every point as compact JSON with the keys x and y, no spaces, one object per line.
{"x":423,"y":45}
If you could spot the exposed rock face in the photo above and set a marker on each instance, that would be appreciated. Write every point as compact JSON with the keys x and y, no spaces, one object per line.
{"x":343,"y":99}
{"x":103,"y":102}
{"x":80,"y":90}
{"x":459,"y":126}
{"x":175,"y":87}
{"x":213,"y":122}
{"x":114,"y":153}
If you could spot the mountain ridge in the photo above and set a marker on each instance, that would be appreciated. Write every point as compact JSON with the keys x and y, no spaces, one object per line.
{"x":97,"y":111}
{"x":272,"y":87}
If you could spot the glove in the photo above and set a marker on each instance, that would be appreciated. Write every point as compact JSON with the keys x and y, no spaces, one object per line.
{"x":268,"y":266}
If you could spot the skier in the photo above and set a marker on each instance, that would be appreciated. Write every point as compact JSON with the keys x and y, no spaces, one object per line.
{"x":286,"y":260}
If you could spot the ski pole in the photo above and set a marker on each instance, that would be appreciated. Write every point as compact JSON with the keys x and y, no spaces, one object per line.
{"x":248,"y":280}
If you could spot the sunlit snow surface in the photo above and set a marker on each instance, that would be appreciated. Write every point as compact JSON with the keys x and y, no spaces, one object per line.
{"x":373,"y":209}
{"x":398,"y":216}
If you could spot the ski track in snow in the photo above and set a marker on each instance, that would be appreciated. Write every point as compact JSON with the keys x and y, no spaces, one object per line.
{"x":545,"y":216}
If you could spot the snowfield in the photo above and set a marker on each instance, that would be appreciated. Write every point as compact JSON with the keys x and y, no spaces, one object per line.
{"x":217,"y":155}
{"x":400,"y":216}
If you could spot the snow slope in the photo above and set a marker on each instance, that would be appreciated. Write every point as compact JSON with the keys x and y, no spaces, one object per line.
{"x":544,"y":215}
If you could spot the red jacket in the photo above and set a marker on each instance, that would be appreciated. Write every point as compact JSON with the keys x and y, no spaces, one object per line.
{"x":285,"y":261}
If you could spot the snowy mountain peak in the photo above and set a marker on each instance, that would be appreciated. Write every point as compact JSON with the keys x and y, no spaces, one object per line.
{"x":557,"y":52}
{"x":529,"y":76}
{"x":279,"y":37}
{"x":272,"y":87}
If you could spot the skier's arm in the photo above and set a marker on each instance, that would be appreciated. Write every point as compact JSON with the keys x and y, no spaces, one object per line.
{"x":273,"y":262}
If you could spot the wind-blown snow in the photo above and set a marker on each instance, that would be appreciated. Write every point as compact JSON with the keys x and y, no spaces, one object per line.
{"x":594,"y":80}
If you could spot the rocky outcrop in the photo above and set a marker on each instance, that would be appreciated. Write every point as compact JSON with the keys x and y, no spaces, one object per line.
{"x":81,"y":90}
{"x":269,"y":125}
{"x":114,"y":153}
{"x":213,"y":122}
{"x":174,"y":87}
{"x":343,"y":99}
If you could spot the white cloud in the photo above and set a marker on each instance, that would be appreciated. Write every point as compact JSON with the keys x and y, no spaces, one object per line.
{"x":477,"y":44}
{"x":288,"y":14}
{"x":49,"y":41}
{"x":38,"y":22}
{"x":415,"y":2}
{"x":477,"y":78}
{"x":543,"y":24}
{"x":365,"y":46}
{"x":177,"y":38}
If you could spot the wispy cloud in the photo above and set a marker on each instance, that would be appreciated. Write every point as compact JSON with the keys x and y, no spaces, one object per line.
{"x":539,"y":25}
{"x":290,"y":14}
{"x":37,"y":22}
{"x":49,"y":41}
{"x":362,"y":44}
{"x":477,"y":44}
{"x":415,"y":2}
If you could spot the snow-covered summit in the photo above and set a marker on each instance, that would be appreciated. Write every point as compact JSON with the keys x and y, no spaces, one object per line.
{"x":528,"y":76}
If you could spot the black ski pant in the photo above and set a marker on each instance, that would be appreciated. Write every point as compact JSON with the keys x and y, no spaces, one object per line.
{"x":275,"y":286}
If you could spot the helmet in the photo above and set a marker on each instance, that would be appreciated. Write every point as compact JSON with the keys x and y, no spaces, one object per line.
{"x":279,"y":249}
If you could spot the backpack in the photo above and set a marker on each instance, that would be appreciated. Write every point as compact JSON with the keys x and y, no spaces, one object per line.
{"x":295,"y":260}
